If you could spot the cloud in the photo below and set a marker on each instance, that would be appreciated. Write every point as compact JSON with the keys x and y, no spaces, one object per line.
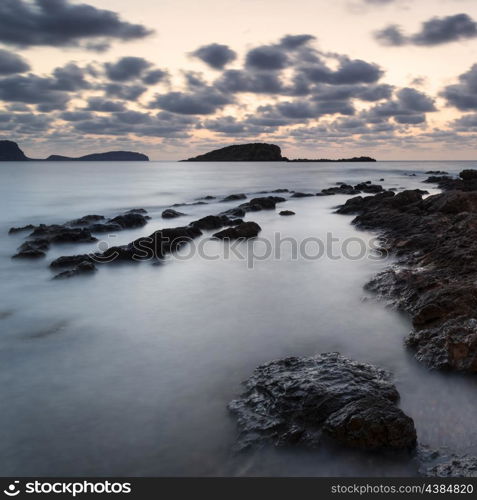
{"x":463,"y":95}
{"x":234,"y":81}
{"x":267,"y":57}
{"x":292,"y":42}
{"x":102,"y":105}
{"x":154,"y":76}
{"x":59,"y":23}
{"x":409,"y":107}
{"x":126,"y":69}
{"x":125,"y":92}
{"x":204,"y":101}
{"x":217,"y":56}
{"x":435,"y":31}
{"x":350,"y":71}
{"x":11,"y":63}
{"x":32,"y":89}
{"x":70,"y":78}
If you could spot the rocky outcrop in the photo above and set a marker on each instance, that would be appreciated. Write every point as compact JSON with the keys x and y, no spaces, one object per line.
{"x":306,"y":400}
{"x":434,"y":280}
{"x":286,"y":213}
{"x":9,"y":151}
{"x":243,"y":152}
{"x":75,"y":231}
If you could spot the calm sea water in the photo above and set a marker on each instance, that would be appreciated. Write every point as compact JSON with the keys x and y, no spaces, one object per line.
{"x":129,"y":371}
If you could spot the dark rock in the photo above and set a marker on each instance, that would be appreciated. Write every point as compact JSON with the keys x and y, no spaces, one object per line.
{"x":9,"y":151}
{"x":171,"y":214}
{"x":287,"y":212}
{"x":439,"y":463}
{"x":302,"y":400}
{"x":235,"y":197}
{"x":14,"y":230}
{"x":436,"y":172}
{"x":32,"y":249}
{"x":301,"y":195}
{"x":130,"y":220}
{"x":367,"y":187}
{"x":265,"y":203}
{"x":86,"y":220}
{"x":281,"y":190}
{"x":211,"y":222}
{"x":468,"y":175}
{"x":341,"y":189}
{"x":242,"y":231}
{"x":243,"y":152}
{"x":435,"y":240}
{"x":85,"y":267}
{"x":208,"y":197}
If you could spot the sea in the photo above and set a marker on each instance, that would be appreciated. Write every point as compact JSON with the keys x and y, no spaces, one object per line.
{"x":128,"y":372}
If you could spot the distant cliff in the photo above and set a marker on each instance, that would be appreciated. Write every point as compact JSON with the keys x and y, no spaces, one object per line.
{"x":110,"y":156}
{"x":9,"y":151}
{"x":243,"y":152}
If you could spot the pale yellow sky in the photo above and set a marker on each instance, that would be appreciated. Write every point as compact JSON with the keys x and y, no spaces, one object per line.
{"x":340,"y":26}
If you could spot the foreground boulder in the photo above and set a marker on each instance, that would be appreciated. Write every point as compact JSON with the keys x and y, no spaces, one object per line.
{"x":303,"y":400}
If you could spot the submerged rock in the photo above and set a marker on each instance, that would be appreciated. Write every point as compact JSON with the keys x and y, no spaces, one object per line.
{"x":84,"y":267}
{"x":301,"y":195}
{"x":287,"y":213}
{"x":235,"y":197}
{"x":301,"y":400}
{"x":171,"y":214}
{"x":243,"y":230}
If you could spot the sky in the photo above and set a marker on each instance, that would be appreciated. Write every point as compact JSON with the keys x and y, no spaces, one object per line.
{"x":392,"y":79}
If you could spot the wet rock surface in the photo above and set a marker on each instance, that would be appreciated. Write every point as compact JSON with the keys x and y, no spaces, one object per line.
{"x":241,"y":231}
{"x":306,"y":400}
{"x":286,"y":213}
{"x":435,"y":277}
{"x":171,"y":214}
{"x":75,"y":231}
{"x":84,"y":267}
{"x":441,"y":463}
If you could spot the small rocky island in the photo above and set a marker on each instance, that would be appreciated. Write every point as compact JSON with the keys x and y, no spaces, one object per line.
{"x":10,"y":151}
{"x":243,"y":152}
{"x":261,"y":152}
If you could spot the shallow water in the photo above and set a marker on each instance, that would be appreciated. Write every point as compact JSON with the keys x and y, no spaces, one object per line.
{"x":129,"y":371}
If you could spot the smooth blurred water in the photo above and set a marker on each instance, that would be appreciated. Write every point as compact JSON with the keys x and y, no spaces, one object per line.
{"x":129,"y":371}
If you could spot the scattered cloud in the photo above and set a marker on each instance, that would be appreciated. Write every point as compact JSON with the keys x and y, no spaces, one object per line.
{"x":435,"y":31}
{"x":463,"y":95}
{"x":215,"y":55}
{"x":60,"y":23}
{"x":11,"y":63}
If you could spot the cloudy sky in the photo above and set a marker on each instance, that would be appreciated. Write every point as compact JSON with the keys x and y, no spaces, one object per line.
{"x":396,"y":79}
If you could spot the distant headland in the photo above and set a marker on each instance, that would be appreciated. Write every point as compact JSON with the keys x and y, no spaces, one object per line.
{"x":261,"y":152}
{"x":10,"y":151}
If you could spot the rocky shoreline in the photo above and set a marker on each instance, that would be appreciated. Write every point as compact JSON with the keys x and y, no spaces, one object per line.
{"x":433,"y":280}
